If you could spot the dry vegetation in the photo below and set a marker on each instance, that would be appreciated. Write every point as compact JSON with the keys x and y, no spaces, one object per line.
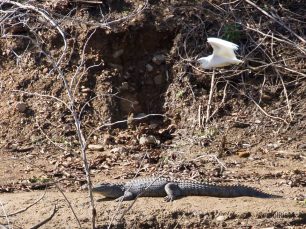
{"x":106,"y":90}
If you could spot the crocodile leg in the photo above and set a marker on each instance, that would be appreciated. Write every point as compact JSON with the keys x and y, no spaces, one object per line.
{"x":127,"y":196}
{"x":173,"y":192}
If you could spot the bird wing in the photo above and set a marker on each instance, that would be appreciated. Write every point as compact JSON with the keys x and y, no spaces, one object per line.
{"x":222,"y":47}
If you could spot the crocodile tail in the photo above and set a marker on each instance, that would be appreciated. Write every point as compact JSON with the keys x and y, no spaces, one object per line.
{"x":253,"y":192}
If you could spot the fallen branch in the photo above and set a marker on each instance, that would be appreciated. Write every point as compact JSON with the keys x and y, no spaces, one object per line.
{"x":24,"y":209}
{"x":263,"y":111}
{"x":69,"y":204}
{"x":55,"y":209}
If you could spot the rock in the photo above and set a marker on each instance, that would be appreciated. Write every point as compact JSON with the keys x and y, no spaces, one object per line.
{"x":153,"y":126}
{"x":158,"y":80}
{"x":45,"y":70}
{"x":140,"y":115}
{"x":127,"y":76}
{"x":149,"y":68}
{"x":238,"y":124}
{"x":158,"y":59}
{"x":125,"y":86}
{"x":148,"y":140}
{"x":127,"y":107}
{"x":301,"y":197}
{"x":302,"y":146}
{"x":119,"y":150}
{"x":245,"y":215}
{"x":85,"y":89}
{"x":244,"y":154}
{"x":95,"y":147}
{"x":274,"y":145}
{"x":21,"y":107}
{"x":118,"y":53}
{"x":221,"y":218}
{"x":108,"y":139}
{"x":149,"y":81}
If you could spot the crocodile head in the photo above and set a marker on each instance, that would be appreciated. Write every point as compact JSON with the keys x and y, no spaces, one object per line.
{"x":109,"y":190}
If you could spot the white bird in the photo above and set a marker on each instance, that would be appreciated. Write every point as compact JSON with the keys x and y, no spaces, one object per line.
{"x":223,"y":54}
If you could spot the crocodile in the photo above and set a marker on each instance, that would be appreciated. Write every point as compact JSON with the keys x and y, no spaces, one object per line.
{"x":173,"y":189}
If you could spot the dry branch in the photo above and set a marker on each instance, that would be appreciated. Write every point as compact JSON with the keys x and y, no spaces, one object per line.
{"x":24,"y":209}
{"x":55,"y":209}
{"x":274,"y":19}
{"x":212,"y":86}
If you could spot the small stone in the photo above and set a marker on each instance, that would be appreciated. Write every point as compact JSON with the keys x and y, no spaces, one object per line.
{"x":153,"y":126}
{"x":302,"y":146}
{"x":96,"y":147}
{"x":140,"y":115}
{"x":158,"y":80}
{"x":127,"y":76}
{"x":206,"y":222}
{"x":221,"y":218}
{"x":244,"y":154}
{"x":301,"y":197}
{"x":149,"y":68}
{"x":108,"y":139}
{"x":118,"y":53}
{"x":86,"y":90}
{"x":274,"y":145}
{"x":125,"y":86}
{"x":45,"y":70}
{"x":149,"y":81}
{"x":158,"y":59}
{"x":245,"y":215}
{"x":148,"y":140}
{"x":21,"y":107}
{"x":120,"y":150}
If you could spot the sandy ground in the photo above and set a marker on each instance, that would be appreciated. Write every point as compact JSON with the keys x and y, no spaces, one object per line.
{"x":189,"y":212}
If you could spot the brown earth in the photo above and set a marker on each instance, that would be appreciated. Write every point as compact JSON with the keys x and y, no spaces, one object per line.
{"x":139,"y":63}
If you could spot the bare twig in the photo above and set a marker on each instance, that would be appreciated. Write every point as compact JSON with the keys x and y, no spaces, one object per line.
{"x":276,"y":38}
{"x":55,"y":209}
{"x":215,"y":158}
{"x":212,"y":85}
{"x":123,"y":122}
{"x":26,"y":208}
{"x":5,"y":215}
{"x":69,"y":204}
{"x":222,"y":102}
{"x":60,"y":190}
{"x":134,"y":13}
{"x":263,"y":111}
{"x":47,"y":17}
{"x":88,"y":1}
{"x":274,"y":19}
{"x":47,"y":137}
{"x":286,"y":95}
{"x":82,"y":61}
{"x":42,"y":95}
